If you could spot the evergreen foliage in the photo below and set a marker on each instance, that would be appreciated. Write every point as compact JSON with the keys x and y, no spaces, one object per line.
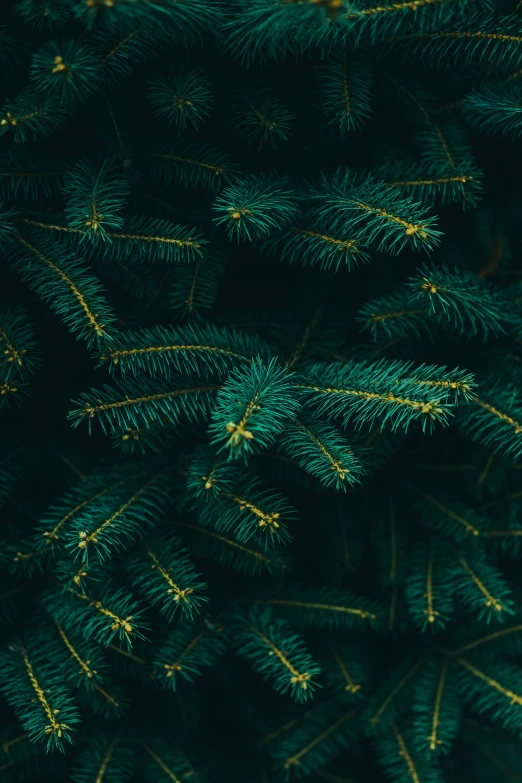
{"x":260,"y":391}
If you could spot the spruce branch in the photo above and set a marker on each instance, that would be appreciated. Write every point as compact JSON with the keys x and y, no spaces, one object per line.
{"x":174,"y":583}
{"x":209,"y":350}
{"x":181,"y":99}
{"x":368,"y":393}
{"x":381,"y":215}
{"x":323,"y":450}
{"x":347,"y":91}
{"x":277,"y":653}
{"x":71,"y":290}
{"x":252,"y":409}
{"x":32,"y":115}
{"x":263,"y":119}
{"x":255,"y":206}
{"x":130,"y":404}
{"x":66,"y":70}
{"x":95,"y":197}
{"x":43,"y":705}
{"x":469,"y":304}
{"x":189,"y":650}
{"x":437,"y":708}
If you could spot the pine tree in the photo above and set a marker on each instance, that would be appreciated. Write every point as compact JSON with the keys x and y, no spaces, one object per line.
{"x":260,"y":391}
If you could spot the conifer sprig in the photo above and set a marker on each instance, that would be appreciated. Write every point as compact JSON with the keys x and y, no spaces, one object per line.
{"x":42,"y":703}
{"x":255,"y":206}
{"x":181,"y":99}
{"x":194,"y":350}
{"x":249,"y":510}
{"x":110,"y":614}
{"x":468,"y":303}
{"x":130,"y":405}
{"x":263,"y":119}
{"x":252,"y":409}
{"x":368,"y":393}
{"x":72,"y":291}
{"x":66,"y":70}
{"x":277,"y":653}
{"x":347,"y":91}
{"x":31,"y":115}
{"x":383,"y":216}
{"x":190,"y":649}
{"x":96,"y":196}
{"x":175,"y":585}
{"x":323,"y":450}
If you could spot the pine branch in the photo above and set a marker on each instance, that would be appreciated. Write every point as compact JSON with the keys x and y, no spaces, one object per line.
{"x":66,"y":70}
{"x":71,"y":290}
{"x":266,"y":404}
{"x":181,"y":98}
{"x":323,"y":451}
{"x":255,"y":206}
{"x":174,"y":583}
{"x":38,"y":697}
{"x":189,"y":649}
{"x":368,"y":393}
{"x":209,"y":350}
{"x":277,"y":653}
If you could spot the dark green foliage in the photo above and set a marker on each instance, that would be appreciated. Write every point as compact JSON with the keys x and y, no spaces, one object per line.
{"x":437,"y":182}
{"x":165,"y":760}
{"x":28,"y":677}
{"x":276,"y":653}
{"x":193,"y":288}
{"x":493,"y":689}
{"x":181,"y":99}
{"x":226,"y":551}
{"x":115,"y":520}
{"x":494,"y":417}
{"x":396,"y":753}
{"x":255,"y":206}
{"x":31,"y":115}
{"x":384,"y":217}
{"x":72,"y":291}
{"x":466,"y":302}
{"x":263,"y":119}
{"x":95,"y":197}
{"x":252,"y":409}
{"x":111,"y":756}
{"x":347,"y":92}
{"x":438,"y":711}
{"x":369,"y":393}
{"x":449,"y":517}
{"x":313,"y":607}
{"x":175,"y":584}
{"x":249,"y":510}
{"x":393,"y":695}
{"x":322,"y":245}
{"x":28,"y":177}
{"x":107,"y":615}
{"x":477,"y":39}
{"x":189,"y":650}
{"x":66,"y":70}
{"x":322,"y":450}
{"x":200,"y":350}
{"x":495,"y":110}
{"x":482,"y":589}
{"x":194,"y":165}
{"x":47,"y":14}
{"x":315,"y":742}
{"x":303,"y":479}
{"x":19,"y":350}
{"x":131,"y":405}
{"x":431,"y":585}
